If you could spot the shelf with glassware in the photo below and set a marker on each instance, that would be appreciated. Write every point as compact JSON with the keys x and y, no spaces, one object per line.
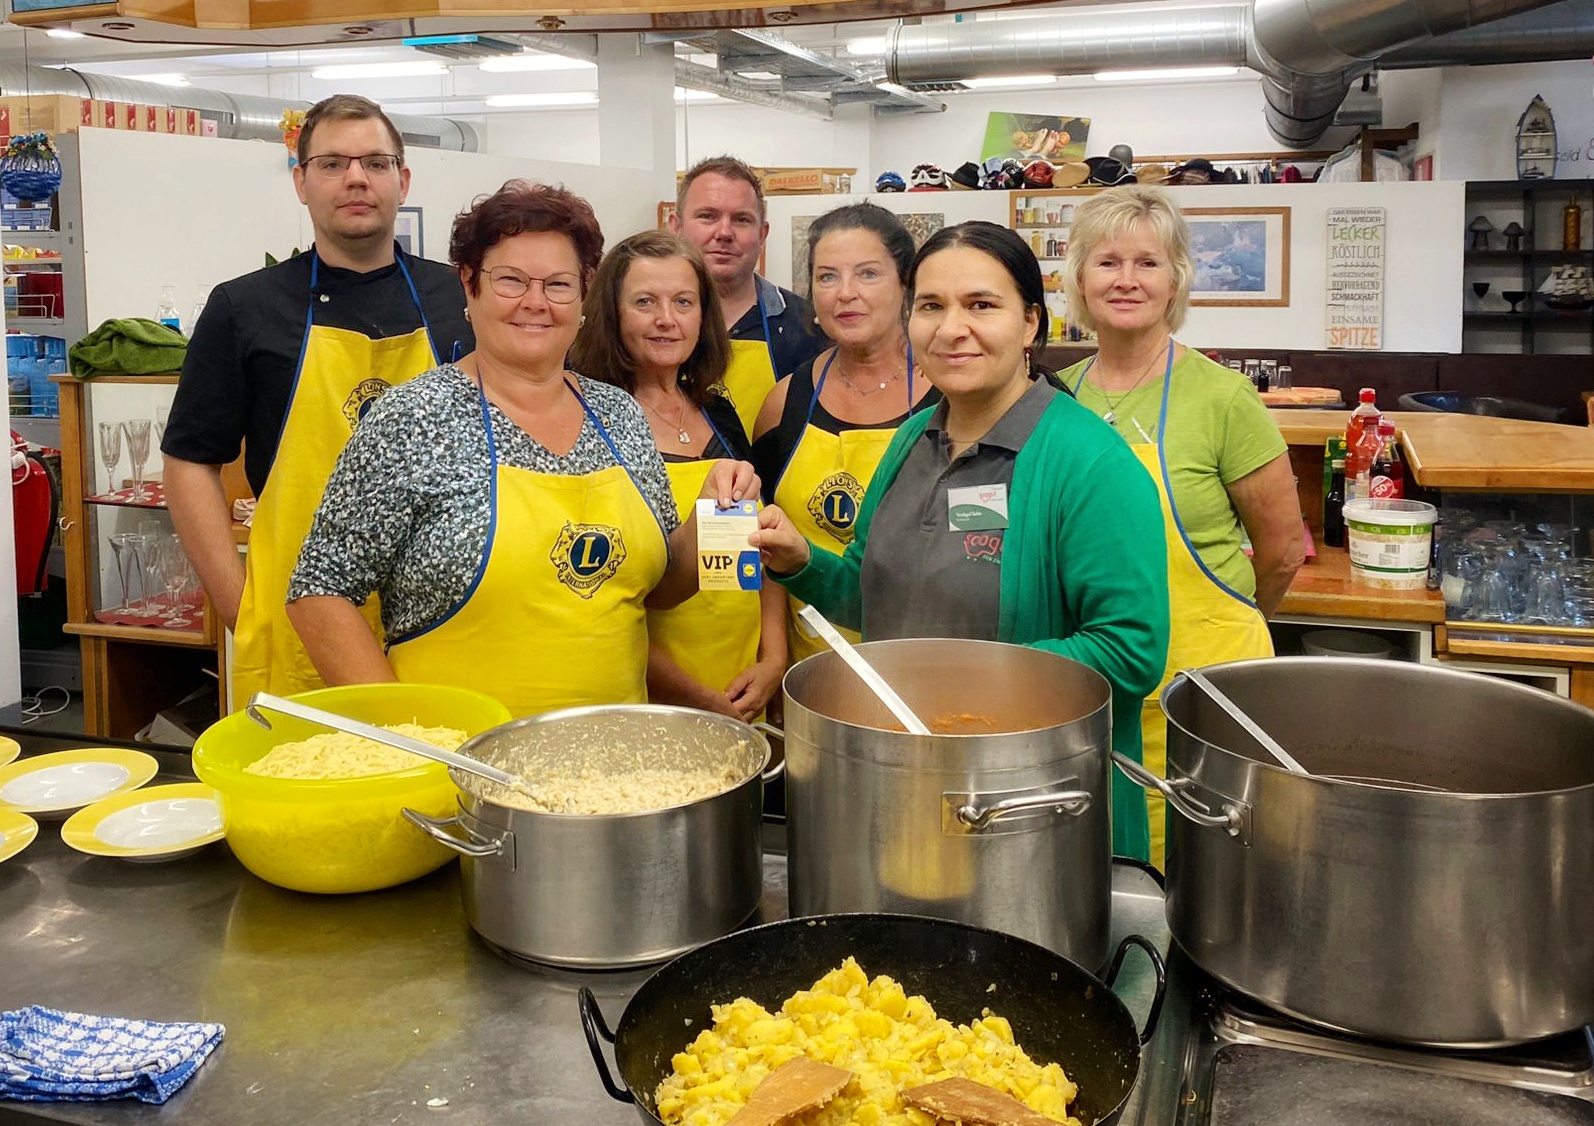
{"x":1043,"y":219}
{"x":149,"y":638}
{"x":1529,"y":266}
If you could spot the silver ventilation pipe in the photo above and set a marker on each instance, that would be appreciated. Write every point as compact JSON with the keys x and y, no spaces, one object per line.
{"x":238,"y":116}
{"x":1563,"y":30}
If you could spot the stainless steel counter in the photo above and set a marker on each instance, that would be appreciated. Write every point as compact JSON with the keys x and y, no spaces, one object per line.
{"x":341,"y":1009}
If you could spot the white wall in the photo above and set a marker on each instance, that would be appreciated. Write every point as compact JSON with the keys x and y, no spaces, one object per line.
{"x":1422,"y":292}
{"x":1481,"y":104}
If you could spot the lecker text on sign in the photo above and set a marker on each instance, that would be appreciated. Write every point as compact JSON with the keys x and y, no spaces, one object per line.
{"x":1354,"y":305}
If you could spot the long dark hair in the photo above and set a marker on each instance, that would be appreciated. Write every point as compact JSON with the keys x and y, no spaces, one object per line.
{"x":598,"y":352}
{"x":1014,"y":256}
{"x":865,"y":217}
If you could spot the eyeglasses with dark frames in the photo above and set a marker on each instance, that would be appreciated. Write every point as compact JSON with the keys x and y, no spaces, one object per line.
{"x":336,"y":164}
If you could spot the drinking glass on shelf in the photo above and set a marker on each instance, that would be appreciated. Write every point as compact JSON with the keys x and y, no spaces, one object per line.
{"x":110,"y":451}
{"x":140,"y":548}
{"x":161,"y":415}
{"x":175,"y":572}
{"x":122,"y":547}
{"x":138,"y":452}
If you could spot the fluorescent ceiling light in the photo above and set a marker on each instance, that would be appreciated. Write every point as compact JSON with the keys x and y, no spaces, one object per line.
{"x":544,"y":100}
{"x":682,"y":94}
{"x":874,"y":45}
{"x":1013,"y":80}
{"x":1166,"y":73}
{"x":63,"y":33}
{"x":759,"y":75}
{"x":537,"y":61}
{"x":379,"y":70}
{"x":161,"y":79}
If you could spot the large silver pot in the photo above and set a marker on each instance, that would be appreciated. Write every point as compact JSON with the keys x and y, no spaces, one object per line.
{"x":1010,"y":831}
{"x":1458,"y":918}
{"x":597,"y":891}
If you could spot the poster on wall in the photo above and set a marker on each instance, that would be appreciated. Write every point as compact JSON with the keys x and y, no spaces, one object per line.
{"x":921,"y":225}
{"x":1241,"y":255}
{"x":1033,"y":136}
{"x":1355,"y":296}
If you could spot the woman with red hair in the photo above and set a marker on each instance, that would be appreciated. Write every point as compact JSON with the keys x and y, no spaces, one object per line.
{"x":514,"y":517}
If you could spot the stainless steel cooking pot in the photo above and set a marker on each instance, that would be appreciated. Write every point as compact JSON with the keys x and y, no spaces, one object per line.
{"x":608,"y":890}
{"x":1009,"y":830}
{"x":1446,"y":905}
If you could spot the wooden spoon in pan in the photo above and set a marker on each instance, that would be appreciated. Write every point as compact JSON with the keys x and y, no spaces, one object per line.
{"x":800,"y":1084}
{"x":975,"y":1104}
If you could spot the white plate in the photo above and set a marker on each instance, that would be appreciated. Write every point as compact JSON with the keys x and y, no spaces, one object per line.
{"x":159,"y":823}
{"x":67,"y":780}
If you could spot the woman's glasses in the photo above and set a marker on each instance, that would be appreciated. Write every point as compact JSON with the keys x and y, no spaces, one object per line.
{"x":561,"y":289}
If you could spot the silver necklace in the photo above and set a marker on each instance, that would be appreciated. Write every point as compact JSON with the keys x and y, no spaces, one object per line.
{"x":679,"y":423}
{"x":1112,"y":408}
{"x":865,"y":392}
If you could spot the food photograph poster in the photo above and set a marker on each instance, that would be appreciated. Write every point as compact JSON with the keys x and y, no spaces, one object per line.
{"x":1032,"y":136}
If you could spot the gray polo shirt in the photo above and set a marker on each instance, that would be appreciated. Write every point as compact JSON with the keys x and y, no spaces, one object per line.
{"x":920,"y":577}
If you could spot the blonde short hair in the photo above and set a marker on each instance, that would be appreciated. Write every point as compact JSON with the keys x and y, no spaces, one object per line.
{"x":1113,"y":213}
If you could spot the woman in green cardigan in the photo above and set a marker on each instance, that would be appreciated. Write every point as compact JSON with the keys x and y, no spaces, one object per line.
{"x":1008,"y":512}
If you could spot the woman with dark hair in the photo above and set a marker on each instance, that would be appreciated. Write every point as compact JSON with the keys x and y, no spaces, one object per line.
{"x":817,"y":441}
{"x":653,"y":326}
{"x":1009,"y":512}
{"x":514,"y":517}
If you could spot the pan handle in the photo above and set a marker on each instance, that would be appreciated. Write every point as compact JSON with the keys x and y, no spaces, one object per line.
{"x":779,"y":768}
{"x":593,"y":1024}
{"x":437,"y":829}
{"x":1157,"y":967}
{"x":970,"y":814}
{"x":1231,"y":820}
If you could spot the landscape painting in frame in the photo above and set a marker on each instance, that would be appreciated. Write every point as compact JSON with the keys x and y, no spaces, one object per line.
{"x":1241,"y":255}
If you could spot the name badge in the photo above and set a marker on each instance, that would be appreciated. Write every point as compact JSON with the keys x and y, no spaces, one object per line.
{"x":976,"y":508}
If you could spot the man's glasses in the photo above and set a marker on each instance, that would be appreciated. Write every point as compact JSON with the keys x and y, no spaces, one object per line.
{"x":561,"y":289}
{"x":376,"y":164}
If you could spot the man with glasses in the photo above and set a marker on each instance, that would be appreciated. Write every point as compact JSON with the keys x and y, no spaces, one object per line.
{"x":285,"y":361}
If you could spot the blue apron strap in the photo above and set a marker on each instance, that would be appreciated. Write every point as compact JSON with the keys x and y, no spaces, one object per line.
{"x":724,"y":445}
{"x":808,"y":417}
{"x":398,"y":256}
{"x":769,"y":343}
{"x":603,"y":432}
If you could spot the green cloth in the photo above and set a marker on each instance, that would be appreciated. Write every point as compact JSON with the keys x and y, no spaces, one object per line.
{"x":1218,"y":430}
{"x":128,"y":346}
{"x":1084,"y":571}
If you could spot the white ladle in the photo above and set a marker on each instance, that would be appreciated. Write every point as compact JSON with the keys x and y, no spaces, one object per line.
{"x":865,"y":671}
{"x":1269,"y":744}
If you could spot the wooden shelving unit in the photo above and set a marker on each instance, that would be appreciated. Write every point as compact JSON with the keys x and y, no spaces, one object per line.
{"x":1536,"y":205}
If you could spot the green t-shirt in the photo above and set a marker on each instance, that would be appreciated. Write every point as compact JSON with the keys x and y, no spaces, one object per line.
{"x":1217,"y":431}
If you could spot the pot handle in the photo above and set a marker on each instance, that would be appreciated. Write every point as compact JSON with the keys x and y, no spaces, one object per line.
{"x":1231,"y":820}
{"x":779,"y":768}
{"x":593,"y":1024}
{"x":976,"y":817}
{"x":1157,"y":966}
{"x":436,"y":828}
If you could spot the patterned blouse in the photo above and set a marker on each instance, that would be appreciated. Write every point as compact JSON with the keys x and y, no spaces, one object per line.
{"x":407,"y":509}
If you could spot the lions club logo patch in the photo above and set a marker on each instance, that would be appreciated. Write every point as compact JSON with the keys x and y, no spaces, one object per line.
{"x":834,"y":505}
{"x":585,"y":556}
{"x":360,"y":400}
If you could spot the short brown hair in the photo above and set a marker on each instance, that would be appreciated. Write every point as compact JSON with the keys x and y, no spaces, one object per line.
{"x":727,"y":166}
{"x":599,"y":353}
{"x":516,"y":208}
{"x":346,"y":107}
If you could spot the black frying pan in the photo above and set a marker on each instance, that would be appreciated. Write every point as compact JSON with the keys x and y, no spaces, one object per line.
{"x":1060,"y":1013}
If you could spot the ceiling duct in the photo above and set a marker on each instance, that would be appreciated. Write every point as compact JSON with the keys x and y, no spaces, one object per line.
{"x":1308,"y":56}
{"x":243,"y":117}
{"x":463,"y":46}
{"x":1558,"y":31}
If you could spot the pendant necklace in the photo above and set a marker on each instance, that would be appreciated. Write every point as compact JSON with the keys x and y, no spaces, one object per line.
{"x":865,"y":392}
{"x":1112,"y":408}
{"x":679,"y":423}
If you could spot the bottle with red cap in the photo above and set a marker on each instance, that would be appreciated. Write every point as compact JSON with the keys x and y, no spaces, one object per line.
{"x":1359,"y":463}
{"x":1387,"y":478}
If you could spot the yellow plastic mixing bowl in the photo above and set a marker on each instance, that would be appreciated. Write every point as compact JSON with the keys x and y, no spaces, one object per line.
{"x":345,"y":835}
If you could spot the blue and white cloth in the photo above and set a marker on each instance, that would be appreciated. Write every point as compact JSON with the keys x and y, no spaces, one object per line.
{"x":48,"y":1054}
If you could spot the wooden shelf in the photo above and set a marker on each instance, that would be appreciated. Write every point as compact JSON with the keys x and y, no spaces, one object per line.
{"x":1503,"y":641}
{"x":1323,"y":588}
{"x":146,"y":634}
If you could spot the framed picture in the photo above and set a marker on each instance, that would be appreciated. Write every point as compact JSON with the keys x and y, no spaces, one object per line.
{"x":666,"y":213}
{"x":1242,"y":255}
{"x":407,"y":231}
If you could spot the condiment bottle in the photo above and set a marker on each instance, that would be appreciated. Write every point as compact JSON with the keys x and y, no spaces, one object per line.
{"x":1334,"y":507}
{"x":1388,"y":476}
{"x":1571,"y":225}
{"x":1366,"y":414}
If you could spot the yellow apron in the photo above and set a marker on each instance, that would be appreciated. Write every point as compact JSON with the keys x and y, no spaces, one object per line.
{"x":751,"y":375}
{"x":1208,"y":621}
{"x":554,"y":616}
{"x":713,"y":635}
{"x":341,"y":373}
{"x":821,"y":488}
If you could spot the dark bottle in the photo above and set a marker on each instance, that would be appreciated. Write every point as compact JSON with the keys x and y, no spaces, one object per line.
{"x":1334,"y":506}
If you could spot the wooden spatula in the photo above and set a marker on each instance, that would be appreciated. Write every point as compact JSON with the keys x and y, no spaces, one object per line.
{"x":974,"y":1104}
{"x":797,"y":1085}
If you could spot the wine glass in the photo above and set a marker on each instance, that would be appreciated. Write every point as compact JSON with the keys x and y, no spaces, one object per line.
{"x":138,"y":452}
{"x":175,"y":572}
{"x":1480,"y":288}
{"x":1514,"y":297}
{"x":121,"y":546}
{"x":110,"y":451}
{"x":140,"y":547}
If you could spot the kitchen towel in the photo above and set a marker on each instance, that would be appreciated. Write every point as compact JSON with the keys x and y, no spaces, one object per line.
{"x":48,"y":1054}
{"x":128,"y":346}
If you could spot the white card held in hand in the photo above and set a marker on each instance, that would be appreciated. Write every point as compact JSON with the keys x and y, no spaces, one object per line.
{"x":725,"y":560}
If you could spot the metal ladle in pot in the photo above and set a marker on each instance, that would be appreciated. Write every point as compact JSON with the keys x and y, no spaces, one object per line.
{"x":1249,"y":725}
{"x":382,"y":735}
{"x":866,"y":671}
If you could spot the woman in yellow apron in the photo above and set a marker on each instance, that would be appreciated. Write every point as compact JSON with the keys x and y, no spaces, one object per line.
{"x":1219,"y":463}
{"x":653,"y":327}
{"x":341,"y":373}
{"x":818,"y":442}
{"x":515,"y":518}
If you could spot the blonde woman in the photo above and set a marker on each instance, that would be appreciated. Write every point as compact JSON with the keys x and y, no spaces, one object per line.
{"x":1219,"y":462}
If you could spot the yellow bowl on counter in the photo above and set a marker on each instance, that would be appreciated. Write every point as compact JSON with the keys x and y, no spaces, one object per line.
{"x":341,"y":835}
